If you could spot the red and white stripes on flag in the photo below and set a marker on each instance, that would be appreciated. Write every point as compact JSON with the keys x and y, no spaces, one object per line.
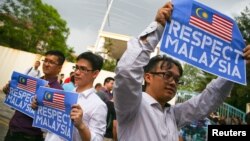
{"x":57,"y":101}
{"x":29,"y":86}
{"x":219,"y":27}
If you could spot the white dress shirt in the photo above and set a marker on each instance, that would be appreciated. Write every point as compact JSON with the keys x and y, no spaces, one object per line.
{"x":94,"y":116}
{"x":33,"y":72}
{"x":140,"y":117}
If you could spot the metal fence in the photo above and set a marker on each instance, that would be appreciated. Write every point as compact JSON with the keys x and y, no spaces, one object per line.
{"x":225,"y":110}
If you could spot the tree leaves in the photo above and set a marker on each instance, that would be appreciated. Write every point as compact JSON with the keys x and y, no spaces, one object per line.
{"x":34,"y":27}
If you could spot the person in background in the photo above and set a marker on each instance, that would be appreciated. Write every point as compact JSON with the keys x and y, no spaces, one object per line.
{"x":105,"y":93}
{"x":71,"y":85}
{"x":111,"y":129}
{"x":33,"y":71}
{"x":98,"y":87}
{"x":67,"y":80}
{"x":146,"y":116}
{"x":20,"y":126}
{"x":60,"y":78}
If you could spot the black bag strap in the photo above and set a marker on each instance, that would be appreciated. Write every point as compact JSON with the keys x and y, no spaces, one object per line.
{"x":38,"y":73}
{"x":29,"y":70}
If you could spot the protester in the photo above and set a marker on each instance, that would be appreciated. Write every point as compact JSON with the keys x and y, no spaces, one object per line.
{"x":105,"y":92}
{"x":33,"y":71}
{"x":20,"y":126}
{"x":146,"y":116}
{"x":89,"y":114}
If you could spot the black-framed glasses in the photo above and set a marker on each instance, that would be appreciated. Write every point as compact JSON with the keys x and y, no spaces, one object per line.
{"x":81,"y":69}
{"x":50,"y":62}
{"x":169,"y":76}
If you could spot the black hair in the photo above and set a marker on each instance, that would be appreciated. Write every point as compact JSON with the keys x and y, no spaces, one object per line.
{"x":59,"y":54}
{"x":108,"y":79}
{"x":95,"y":60}
{"x":98,"y":84}
{"x":71,"y":73}
{"x":38,"y":61}
{"x":165,"y":60}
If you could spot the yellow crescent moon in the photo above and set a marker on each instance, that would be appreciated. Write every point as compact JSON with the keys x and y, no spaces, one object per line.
{"x":47,"y":96}
{"x":21,"y":79}
{"x":197,"y":12}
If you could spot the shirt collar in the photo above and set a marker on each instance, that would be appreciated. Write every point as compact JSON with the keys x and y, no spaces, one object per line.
{"x":149,"y":99}
{"x":87,"y":92}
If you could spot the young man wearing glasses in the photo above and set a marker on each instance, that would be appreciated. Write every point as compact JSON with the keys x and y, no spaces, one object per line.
{"x":89,"y":114}
{"x":20,"y":126}
{"x":146,"y":116}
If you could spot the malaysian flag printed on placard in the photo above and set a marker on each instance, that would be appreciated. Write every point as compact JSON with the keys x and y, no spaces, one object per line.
{"x":211,"y":23}
{"x":54,"y":100}
{"x":27,"y":84}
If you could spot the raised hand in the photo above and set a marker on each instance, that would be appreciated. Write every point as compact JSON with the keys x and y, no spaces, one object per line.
{"x":164,"y":14}
{"x":246,"y":54}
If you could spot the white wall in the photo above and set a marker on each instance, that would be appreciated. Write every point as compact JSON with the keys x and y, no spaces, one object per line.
{"x":16,"y":60}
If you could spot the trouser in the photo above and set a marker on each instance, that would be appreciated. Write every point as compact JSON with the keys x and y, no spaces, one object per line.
{"x":18,"y":136}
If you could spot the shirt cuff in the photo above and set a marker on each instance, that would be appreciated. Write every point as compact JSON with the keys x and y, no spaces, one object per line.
{"x":151,"y":28}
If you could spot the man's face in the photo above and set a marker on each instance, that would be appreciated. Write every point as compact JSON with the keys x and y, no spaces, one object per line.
{"x":109,"y":85}
{"x":37,"y":64}
{"x":162,"y":83}
{"x":84,"y":74}
{"x":51,"y":65}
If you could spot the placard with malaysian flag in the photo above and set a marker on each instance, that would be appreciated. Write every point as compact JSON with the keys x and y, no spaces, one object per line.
{"x":53,"y":111}
{"x":205,"y":38}
{"x":22,"y":89}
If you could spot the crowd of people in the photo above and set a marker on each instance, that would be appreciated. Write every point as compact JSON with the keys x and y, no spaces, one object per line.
{"x":229,"y":120}
{"x":121,"y":109}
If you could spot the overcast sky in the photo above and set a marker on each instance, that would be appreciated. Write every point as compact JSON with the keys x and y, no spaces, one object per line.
{"x":129,"y":17}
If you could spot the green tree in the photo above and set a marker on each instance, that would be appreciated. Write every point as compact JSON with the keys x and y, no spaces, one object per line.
{"x":191,"y":77}
{"x":240,"y":94}
{"x":109,"y":65}
{"x":194,"y":79}
{"x":33,"y":26}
